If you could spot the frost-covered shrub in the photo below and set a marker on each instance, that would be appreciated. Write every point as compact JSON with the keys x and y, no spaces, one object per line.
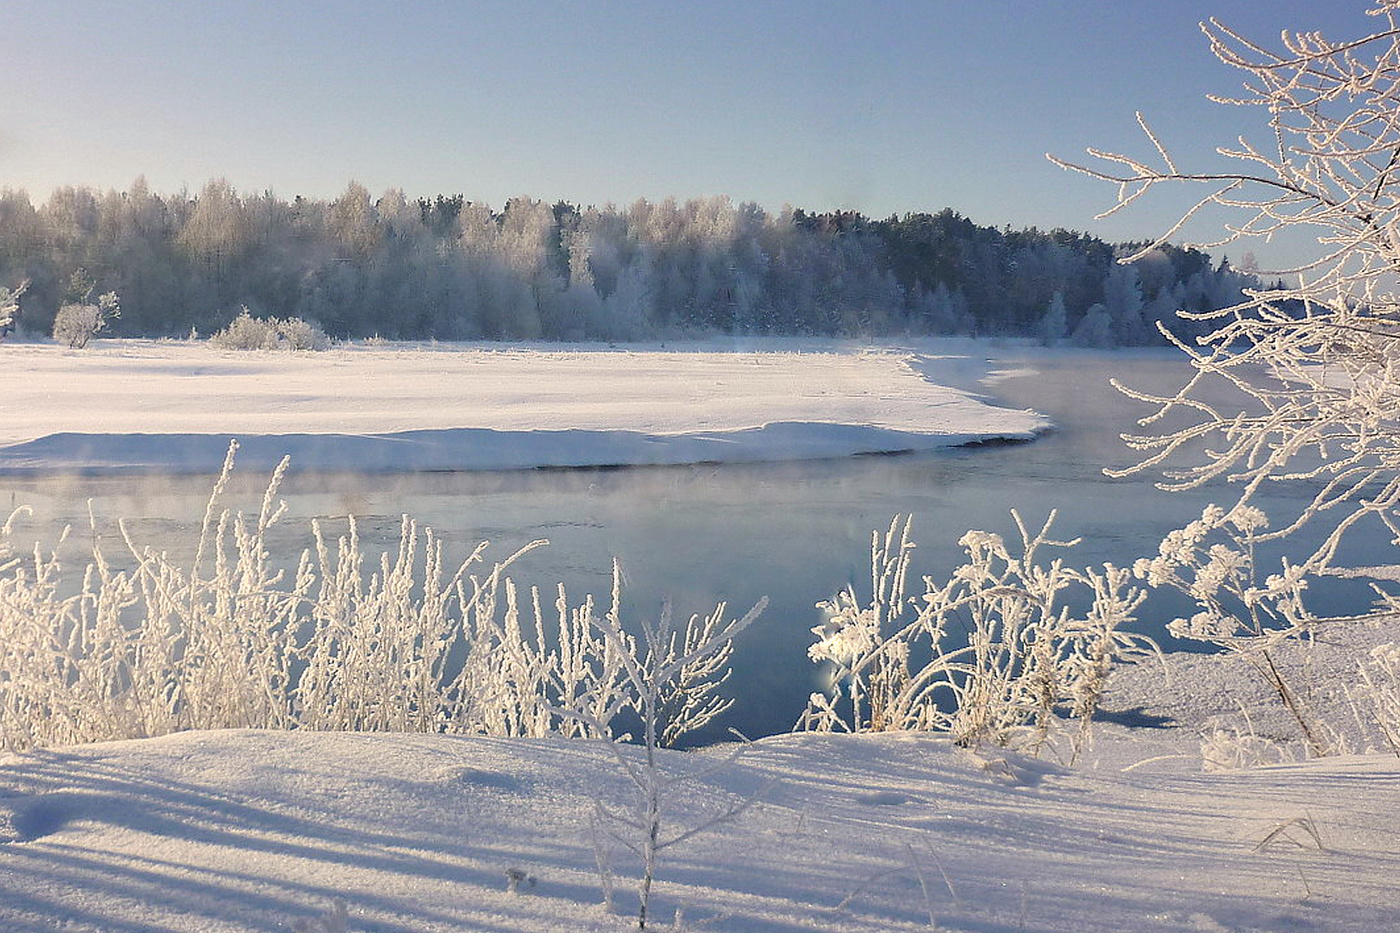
{"x":76,"y":324}
{"x":152,"y":650}
{"x":406,"y":642}
{"x":246,"y":332}
{"x":991,"y":656}
{"x":297,"y":334}
{"x":1379,"y":689}
{"x":1213,"y":561}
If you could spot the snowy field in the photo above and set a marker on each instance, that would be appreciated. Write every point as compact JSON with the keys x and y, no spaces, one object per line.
{"x":174,"y":405}
{"x":266,"y":831}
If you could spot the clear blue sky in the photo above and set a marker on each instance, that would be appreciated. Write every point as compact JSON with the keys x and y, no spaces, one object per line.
{"x":883,"y":107}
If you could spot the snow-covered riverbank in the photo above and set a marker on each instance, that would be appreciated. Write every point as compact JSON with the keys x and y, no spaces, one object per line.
{"x":247,"y":830}
{"x":244,"y":830}
{"x":174,"y":405}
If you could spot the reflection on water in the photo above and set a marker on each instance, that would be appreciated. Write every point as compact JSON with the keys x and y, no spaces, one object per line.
{"x":794,"y":532}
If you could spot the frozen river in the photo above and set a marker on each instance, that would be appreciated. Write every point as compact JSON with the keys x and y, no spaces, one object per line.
{"x":698,"y":534}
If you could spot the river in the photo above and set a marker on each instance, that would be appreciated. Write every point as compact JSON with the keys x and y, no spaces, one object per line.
{"x":793,"y":532}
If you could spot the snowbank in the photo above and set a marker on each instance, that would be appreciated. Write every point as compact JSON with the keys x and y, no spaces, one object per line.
{"x":174,"y":406}
{"x":247,"y":830}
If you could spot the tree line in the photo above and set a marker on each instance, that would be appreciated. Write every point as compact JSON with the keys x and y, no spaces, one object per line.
{"x":449,"y":268}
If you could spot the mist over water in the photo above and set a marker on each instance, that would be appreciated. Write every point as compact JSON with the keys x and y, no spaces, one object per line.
{"x":795,"y":532}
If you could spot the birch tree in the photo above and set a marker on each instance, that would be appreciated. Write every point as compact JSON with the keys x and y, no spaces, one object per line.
{"x":1317,"y":360}
{"x":1318,"y":357}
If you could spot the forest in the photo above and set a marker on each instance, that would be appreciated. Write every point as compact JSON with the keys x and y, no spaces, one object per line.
{"x":452,"y":269}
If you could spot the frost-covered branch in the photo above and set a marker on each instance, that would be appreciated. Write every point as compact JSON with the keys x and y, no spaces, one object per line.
{"x":1001,"y":654}
{"x":668,"y":682}
{"x":1315,"y":364}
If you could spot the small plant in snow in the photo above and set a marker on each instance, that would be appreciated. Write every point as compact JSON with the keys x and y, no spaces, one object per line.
{"x":1001,"y":654}
{"x":515,"y":877}
{"x":1379,"y":688}
{"x":1232,"y":748}
{"x":246,"y":332}
{"x":76,"y":324}
{"x":1212,"y":560}
{"x":870,"y":659}
{"x":1297,"y":832}
{"x":668,"y":683}
{"x":7,"y":531}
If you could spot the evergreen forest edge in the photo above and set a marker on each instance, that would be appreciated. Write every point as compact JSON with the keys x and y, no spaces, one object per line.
{"x":451,"y":269}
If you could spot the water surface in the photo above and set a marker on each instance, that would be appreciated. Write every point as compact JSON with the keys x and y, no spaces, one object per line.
{"x":794,"y":532}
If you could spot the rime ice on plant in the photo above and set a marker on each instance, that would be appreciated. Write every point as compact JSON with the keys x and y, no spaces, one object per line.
{"x":336,"y":641}
{"x":76,"y":324}
{"x":246,"y":332}
{"x":667,"y":682}
{"x":1317,"y":361}
{"x":1025,"y":655}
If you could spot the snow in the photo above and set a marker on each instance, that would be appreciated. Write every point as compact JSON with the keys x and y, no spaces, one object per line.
{"x":258,"y":830}
{"x":173,"y":405}
{"x":1198,"y":693}
{"x":250,"y":830}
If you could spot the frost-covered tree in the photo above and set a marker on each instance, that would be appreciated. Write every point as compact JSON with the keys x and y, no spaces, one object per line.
{"x":1054,"y":324}
{"x":354,"y":221}
{"x":216,"y":231}
{"x":626,"y":313}
{"x":1328,"y":346}
{"x":1122,"y":298}
{"x":77,"y":323}
{"x":1318,"y":360}
{"x":449,"y":268}
{"x":9,"y":307}
{"x":1095,"y":328}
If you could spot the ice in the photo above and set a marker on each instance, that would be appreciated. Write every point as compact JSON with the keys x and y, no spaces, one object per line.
{"x":174,"y":405}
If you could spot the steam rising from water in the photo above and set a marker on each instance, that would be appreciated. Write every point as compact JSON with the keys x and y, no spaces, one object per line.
{"x":698,"y":534}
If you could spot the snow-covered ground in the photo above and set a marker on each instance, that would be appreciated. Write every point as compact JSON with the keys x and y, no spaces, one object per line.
{"x":265,"y":831}
{"x":174,"y":405}
{"x":248,"y":830}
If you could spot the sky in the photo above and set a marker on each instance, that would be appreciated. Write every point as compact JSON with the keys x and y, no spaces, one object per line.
{"x":881,"y":107}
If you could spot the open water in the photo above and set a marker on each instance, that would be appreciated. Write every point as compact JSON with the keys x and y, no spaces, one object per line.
{"x":794,"y":532}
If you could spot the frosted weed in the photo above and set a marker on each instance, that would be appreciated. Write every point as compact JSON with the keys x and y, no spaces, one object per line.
{"x":1316,"y":362}
{"x":990,"y":656}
